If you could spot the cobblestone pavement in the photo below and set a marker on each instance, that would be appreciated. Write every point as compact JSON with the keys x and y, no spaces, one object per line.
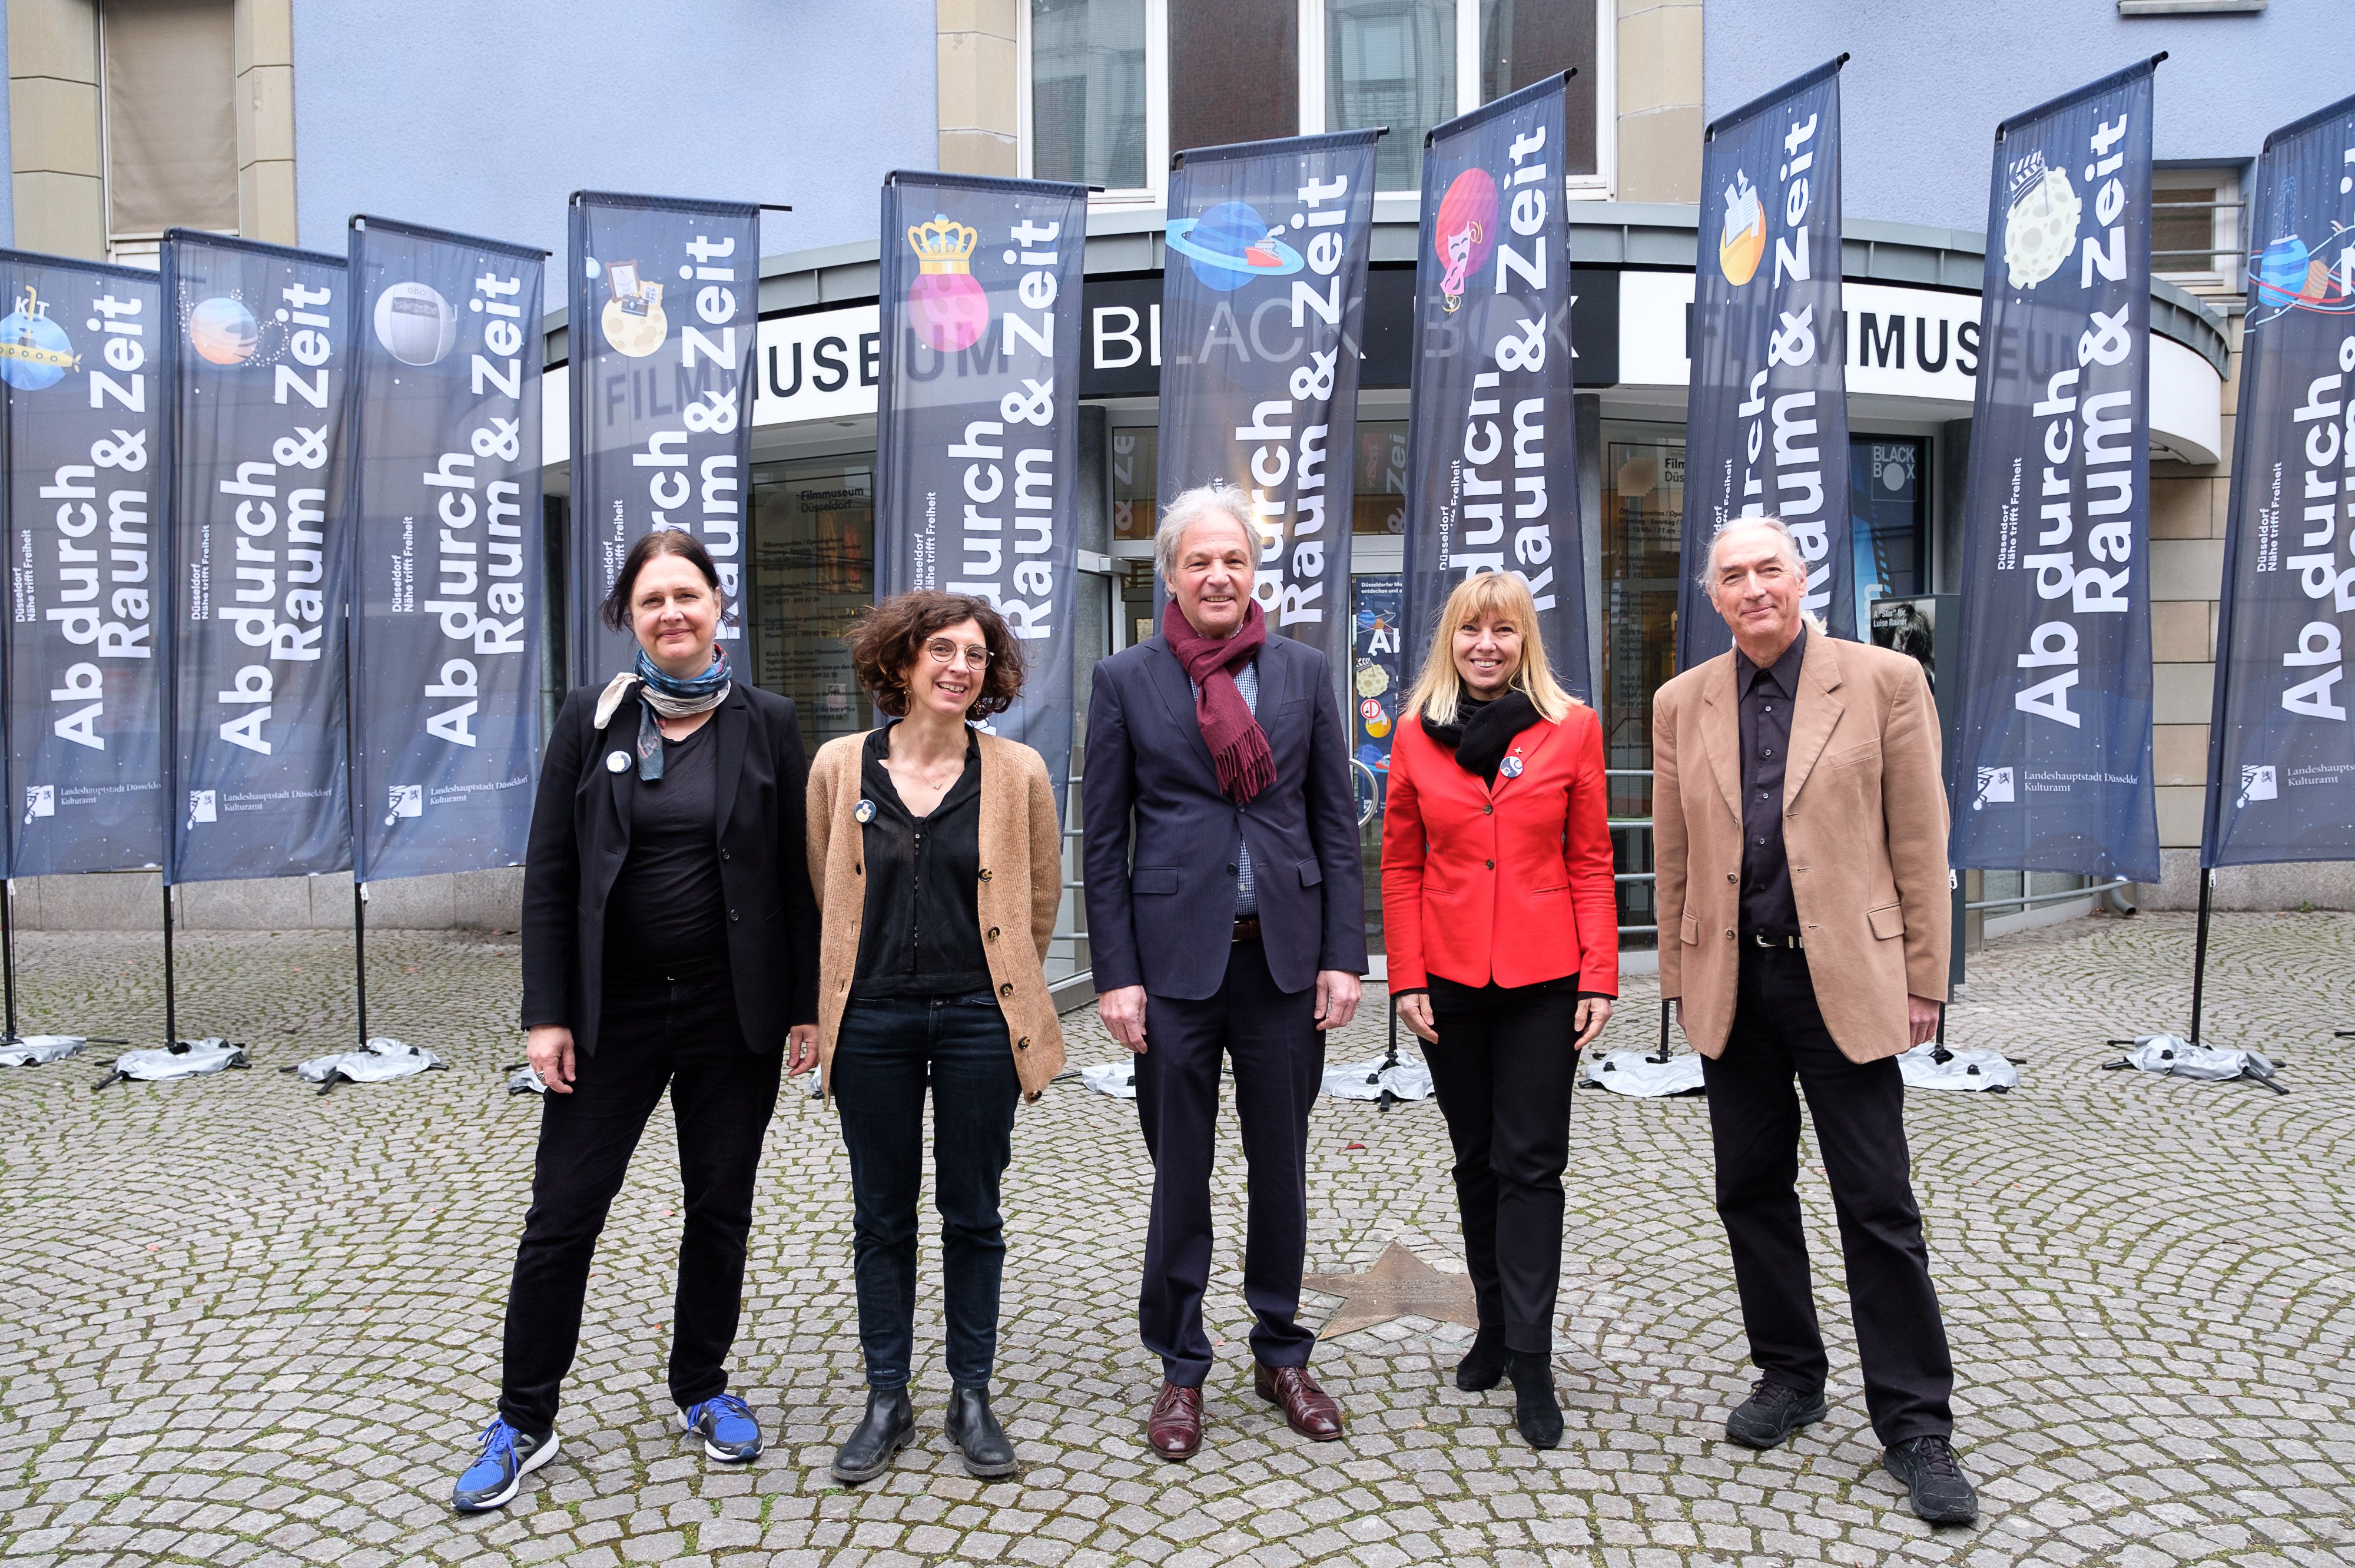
{"x":252,"y":1325}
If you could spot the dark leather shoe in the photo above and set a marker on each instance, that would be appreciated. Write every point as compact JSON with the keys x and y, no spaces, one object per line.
{"x":1307,"y":1409}
{"x":1771,"y":1414}
{"x":1483,"y":1366}
{"x":1175,"y":1427}
{"x":987,"y":1453}
{"x":1940,"y":1491}
{"x":888,"y":1427}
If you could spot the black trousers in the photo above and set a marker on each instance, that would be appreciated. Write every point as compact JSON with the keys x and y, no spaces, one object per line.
{"x":679,"y":1032}
{"x":1279,"y":1056}
{"x":1860,"y":1120}
{"x":887,"y":1053}
{"x":1503,"y":1067}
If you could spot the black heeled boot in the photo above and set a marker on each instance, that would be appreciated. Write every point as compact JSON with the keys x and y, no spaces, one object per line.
{"x":1535,"y":1410}
{"x":987,"y":1452}
{"x":1483,"y":1366}
{"x":888,"y":1427}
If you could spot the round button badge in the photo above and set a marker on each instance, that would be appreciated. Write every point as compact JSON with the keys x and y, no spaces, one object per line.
{"x":864,"y":811}
{"x":617,"y":762}
{"x":1510,"y":767}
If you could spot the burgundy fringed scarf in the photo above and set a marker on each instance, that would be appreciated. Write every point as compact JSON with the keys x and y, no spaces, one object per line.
{"x":1237,"y":746}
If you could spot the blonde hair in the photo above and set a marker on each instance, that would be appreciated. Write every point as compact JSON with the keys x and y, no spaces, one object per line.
{"x":1438,"y":690}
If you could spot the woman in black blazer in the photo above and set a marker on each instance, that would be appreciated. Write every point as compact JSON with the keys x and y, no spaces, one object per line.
{"x":669,"y":941}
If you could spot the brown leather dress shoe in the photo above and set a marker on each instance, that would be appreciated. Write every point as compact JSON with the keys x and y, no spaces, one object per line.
{"x":1175,"y":1427}
{"x":1307,"y":1409}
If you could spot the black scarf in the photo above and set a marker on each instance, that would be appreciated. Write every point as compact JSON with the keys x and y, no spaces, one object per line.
{"x":1482,"y":731}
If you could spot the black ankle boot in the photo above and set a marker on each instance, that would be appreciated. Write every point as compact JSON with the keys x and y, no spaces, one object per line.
{"x":986,"y":1451}
{"x":1483,"y":1366}
{"x":888,"y":1427}
{"x":1535,"y":1410}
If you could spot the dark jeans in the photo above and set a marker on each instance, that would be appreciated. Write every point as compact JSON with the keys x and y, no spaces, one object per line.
{"x":1860,"y":1119}
{"x":1279,"y":1056}
{"x":884,"y":1055}
{"x":682,"y":1033}
{"x":1503,"y":1067}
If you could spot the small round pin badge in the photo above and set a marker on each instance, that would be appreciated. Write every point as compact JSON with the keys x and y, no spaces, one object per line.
{"x":864,"y":811}
{"x":617,"y":762}
{"x":1510,"y":767}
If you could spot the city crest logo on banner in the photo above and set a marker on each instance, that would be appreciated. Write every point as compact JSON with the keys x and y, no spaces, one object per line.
{"x":2259,"y":781}
{"x":1995,"y":788}
{"x":40,"y":800}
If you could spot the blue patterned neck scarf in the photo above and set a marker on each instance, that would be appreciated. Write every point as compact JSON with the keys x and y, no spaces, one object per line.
{"x":673,"y":698}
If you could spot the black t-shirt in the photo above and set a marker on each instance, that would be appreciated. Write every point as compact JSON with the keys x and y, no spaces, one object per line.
{"x":668,"y":911}
{"x":921,"y":932}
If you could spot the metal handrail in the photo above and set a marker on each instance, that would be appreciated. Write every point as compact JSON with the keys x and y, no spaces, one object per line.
{"x":2091,"y":891}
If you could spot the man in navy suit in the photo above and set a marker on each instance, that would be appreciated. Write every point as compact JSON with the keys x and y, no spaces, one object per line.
{"x":1226,"y":917}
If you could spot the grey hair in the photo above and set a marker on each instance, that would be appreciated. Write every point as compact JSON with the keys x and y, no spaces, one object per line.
{"x":1191,"y":508}
{"x":1775,"y":525}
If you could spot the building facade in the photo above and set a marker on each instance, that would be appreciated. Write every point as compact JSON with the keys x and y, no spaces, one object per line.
{"x":484,"y":117}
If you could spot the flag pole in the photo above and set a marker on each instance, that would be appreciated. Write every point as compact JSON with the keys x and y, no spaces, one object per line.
{"x":171,"y":1011}
{"x":2199,"y":949}
{"x":8,"y":949}
{"x":359,"y":953}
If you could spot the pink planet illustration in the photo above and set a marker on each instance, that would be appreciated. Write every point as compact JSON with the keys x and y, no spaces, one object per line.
{"x":1467,"y":231}
{"x":949,"y":310}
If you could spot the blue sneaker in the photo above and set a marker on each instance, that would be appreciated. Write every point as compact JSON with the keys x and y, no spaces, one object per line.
{"x":497,"y":1472}
{"x":729,"y":1432}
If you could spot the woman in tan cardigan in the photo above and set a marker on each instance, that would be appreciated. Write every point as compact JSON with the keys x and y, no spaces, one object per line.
{"x":937,"y":861}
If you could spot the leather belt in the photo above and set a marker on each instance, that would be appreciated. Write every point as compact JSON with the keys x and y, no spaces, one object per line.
{"x":1247,"y":928}
{"x":1764,"y":940}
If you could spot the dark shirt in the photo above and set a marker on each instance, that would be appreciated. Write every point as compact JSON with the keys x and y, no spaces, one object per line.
{"x":922,"y":932}
{"x":1767,"y":697}
{"x":668,"y":911}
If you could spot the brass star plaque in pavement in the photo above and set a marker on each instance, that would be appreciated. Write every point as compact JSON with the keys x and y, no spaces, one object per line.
{"x":1399,"y":1284}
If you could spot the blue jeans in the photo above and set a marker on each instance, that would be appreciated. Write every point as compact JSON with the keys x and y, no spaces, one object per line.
{"x":883,"y":1056}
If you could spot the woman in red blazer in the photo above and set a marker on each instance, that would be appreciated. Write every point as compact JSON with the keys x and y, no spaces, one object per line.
{"x":1502,"y":933}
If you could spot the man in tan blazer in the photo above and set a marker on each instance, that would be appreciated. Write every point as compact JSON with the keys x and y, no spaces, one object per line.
{"x":1800,"y":815}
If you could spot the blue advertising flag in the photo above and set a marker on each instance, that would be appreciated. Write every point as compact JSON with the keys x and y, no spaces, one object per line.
{"x":2281,"y":753}
{"x":1262,"y":306}
{"x":1767,"y":430}
{"x":1492,"y":465}
{"x":81,"y":357}
{"x":444,"y":457}
{"x":2050,"y":769}
{"x":665,"y":304}
{"x":977,"y":436}
{"x":257,"y":358}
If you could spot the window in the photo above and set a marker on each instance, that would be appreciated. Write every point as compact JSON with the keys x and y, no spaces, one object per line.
{"x":1111,"y":87}
{"x":813,"y":571}
{"x":1522,"y":42}
{"x":1234,"y":71}
{"x":1378,"y":497}
{"x":2195,"y":227}
{"x":1390,"y":62}
{"x":170,"y":126}
{"x":1889,"y":520}
{"x":1088,"y":92}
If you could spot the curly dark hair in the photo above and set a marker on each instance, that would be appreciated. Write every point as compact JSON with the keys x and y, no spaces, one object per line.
{"x":615,"y":610}
{"x":889,"y":637}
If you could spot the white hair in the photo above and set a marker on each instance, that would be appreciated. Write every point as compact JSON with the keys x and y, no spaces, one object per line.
{"x":1775,"y":525}
{"x":1781,"y":530}
{"x":1191,"y":508}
